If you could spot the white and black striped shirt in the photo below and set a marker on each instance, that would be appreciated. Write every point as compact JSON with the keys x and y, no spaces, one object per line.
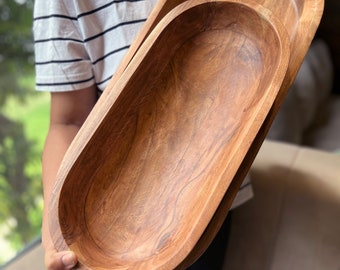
{"x":81,"y":43}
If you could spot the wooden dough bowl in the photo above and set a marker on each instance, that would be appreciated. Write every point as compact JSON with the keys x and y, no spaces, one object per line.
{"x":147,"y":171}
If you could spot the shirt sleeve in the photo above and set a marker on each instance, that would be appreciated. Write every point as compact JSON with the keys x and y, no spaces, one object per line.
{"x":61,"y":60}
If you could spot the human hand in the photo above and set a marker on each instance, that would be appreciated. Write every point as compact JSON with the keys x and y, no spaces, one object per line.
{"x":63,"y":260}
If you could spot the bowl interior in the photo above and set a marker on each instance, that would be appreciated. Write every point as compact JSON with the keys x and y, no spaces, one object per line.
{"x":150,"y":177}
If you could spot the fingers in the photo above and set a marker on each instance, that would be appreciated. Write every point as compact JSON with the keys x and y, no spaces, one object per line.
{"x":64,"y":260}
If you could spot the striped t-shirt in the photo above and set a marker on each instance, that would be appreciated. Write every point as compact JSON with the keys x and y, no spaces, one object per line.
{"x":81,"y":43}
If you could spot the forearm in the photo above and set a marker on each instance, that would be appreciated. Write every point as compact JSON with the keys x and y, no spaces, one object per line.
{"x":57,"y":142}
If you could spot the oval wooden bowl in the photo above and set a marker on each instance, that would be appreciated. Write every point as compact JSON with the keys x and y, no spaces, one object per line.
{"x":147,"y":171}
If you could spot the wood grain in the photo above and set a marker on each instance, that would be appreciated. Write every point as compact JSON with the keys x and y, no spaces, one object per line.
{"x":301,"y":19}
{"x":166,"y":132}
{"x":145,"y":174}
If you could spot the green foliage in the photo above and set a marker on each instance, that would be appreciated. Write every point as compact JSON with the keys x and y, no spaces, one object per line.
{"x":19,"y":191}
{"x":20,"y":177}
{"x":16,"y":47}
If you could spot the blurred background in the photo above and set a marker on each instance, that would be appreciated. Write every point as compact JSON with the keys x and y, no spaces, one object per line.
{"x":23,"y":126}
{"x":24,"y":119}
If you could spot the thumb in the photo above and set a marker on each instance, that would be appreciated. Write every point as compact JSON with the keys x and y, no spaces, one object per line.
{"x":61,"y":260}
